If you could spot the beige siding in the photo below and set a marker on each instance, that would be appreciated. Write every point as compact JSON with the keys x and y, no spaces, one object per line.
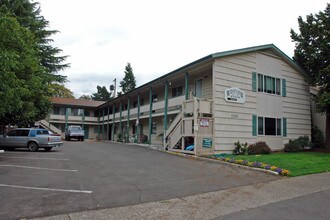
{"x":296,"y":106}
{"x":232,"y":121}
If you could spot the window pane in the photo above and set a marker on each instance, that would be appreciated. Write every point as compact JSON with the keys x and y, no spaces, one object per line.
{"x":260,"y":125}
{"x":270,"y":126}
{"x":273,"y":85}
{"x":260,"y":83}
{"x":278,"y":86}
{"x":174,"y":92}
{"x":278,"y":127}
{"x":180,"y":90}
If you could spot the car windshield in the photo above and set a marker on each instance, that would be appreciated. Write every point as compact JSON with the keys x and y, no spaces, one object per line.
{"x":75,"y":129}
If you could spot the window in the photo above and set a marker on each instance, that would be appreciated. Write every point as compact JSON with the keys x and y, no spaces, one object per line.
{"x":269,"y":126}
{"x":87,"y":113}
{"x":154,"y":98}
{"x":260,"y":83}
{"x":269,"y":84}
{"x":56,"y":111}
{"x":278,"y":86}
{"x":260,"y":126}
{"x":278,"y":126}
{"x":177,"y":91}
{"x":42,"y":132}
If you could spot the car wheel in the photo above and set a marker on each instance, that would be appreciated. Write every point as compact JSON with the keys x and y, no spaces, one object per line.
{"x":48,"y":148}
{"x":69,"y":138}
{"x":82,"y":139}
{"x":33,"y":146}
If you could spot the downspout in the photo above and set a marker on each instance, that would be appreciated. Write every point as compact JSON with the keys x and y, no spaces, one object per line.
{"x":186,"y":82}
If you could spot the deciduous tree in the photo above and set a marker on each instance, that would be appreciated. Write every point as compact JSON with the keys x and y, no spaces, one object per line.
{"x":312,"y":53}
{"x":24,"y":92}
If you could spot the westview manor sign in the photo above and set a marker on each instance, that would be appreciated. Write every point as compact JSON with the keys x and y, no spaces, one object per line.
{"x":234,"y":95}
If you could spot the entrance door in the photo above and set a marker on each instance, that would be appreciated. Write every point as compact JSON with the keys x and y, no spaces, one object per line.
{"x":86,"y":128}
{"x":198,"y":88}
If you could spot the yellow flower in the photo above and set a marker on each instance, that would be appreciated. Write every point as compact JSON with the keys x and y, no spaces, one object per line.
{"x":273,"y":168}
{"x":238,"y":161}
{"x":285,"y":172}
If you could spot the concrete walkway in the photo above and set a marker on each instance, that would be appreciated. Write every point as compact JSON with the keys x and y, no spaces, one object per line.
{"x":214,"y":204}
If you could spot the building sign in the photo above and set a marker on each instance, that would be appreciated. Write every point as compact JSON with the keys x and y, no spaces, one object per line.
{"x":207,"y":142}
{"x":204,"y":122}
{"x":234,"y":95}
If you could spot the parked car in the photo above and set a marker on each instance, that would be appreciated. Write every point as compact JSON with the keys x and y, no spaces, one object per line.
{"x":31,"y":138}
{"x":74,"y":131}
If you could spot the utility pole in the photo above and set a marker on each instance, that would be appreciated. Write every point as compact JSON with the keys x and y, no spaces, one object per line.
{"x":113,"y":88}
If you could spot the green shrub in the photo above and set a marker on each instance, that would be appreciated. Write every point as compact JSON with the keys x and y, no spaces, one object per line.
{"x":317,"y":138}
{"x":303,"y":141}
{"x":258,"y":148}
{"x":240,"y":149}
{"x":298,"y":144}
{"x":292,"y":146}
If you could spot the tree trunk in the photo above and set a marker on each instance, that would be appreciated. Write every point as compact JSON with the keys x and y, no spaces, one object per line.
{"x":327,"y":129}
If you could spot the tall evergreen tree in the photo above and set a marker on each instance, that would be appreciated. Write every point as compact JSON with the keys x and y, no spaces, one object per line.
{"x":312,"y":53}
{"x":102,"y":94}
{"x":28,"y":15}
{"x":128,"y":83}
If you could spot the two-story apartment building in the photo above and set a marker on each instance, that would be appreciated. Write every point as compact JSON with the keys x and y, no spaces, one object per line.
{"x":251,"y":94}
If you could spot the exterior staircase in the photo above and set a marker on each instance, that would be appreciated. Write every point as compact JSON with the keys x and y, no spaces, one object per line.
{"x":50,"y":127}
{"x":191,"y":131}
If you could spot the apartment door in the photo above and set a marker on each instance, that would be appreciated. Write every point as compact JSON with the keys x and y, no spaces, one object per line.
{"x":86,"y":128}
{"x":198,"y":88}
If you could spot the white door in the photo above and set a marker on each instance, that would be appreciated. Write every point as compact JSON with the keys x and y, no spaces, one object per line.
{"x":198,"y":88}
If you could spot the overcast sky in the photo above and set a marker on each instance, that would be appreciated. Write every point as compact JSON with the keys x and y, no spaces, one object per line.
{"x":156,"y":37}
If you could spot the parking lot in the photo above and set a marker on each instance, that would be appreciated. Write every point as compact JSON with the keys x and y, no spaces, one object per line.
{"x":94,"y":175}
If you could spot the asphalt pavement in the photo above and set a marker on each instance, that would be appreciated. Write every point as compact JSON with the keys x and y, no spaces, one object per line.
{"x":93,"y":177}
{"x":305,"y":197}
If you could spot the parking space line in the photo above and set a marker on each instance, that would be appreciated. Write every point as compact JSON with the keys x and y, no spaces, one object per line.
{"x":36,"y":158}
{"x":47,"y":189}
{"x":39,"y":153}
{"x":38,"y":168}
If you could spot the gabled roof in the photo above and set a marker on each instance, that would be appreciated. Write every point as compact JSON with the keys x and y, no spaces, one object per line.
{"x":266,"y":47}
{"x":76,"y":102}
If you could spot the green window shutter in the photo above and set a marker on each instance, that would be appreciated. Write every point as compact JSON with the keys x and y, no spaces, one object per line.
{"x":285,"y":131}
{"x":254,"y":125}
{"x":283,"y":87}
{"x":254,"y":81}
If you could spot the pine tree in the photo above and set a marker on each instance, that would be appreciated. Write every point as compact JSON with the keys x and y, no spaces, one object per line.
{"x":28,"y":15}
{"x":102,"y":94}
{"x":128,"y":83}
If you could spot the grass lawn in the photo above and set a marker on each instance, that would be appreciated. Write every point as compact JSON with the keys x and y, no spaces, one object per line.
{"x":298,"y":163}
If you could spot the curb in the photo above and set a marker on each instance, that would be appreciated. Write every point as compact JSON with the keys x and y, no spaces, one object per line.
{"x":222,"y":162}
{"x":205,"y":159}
